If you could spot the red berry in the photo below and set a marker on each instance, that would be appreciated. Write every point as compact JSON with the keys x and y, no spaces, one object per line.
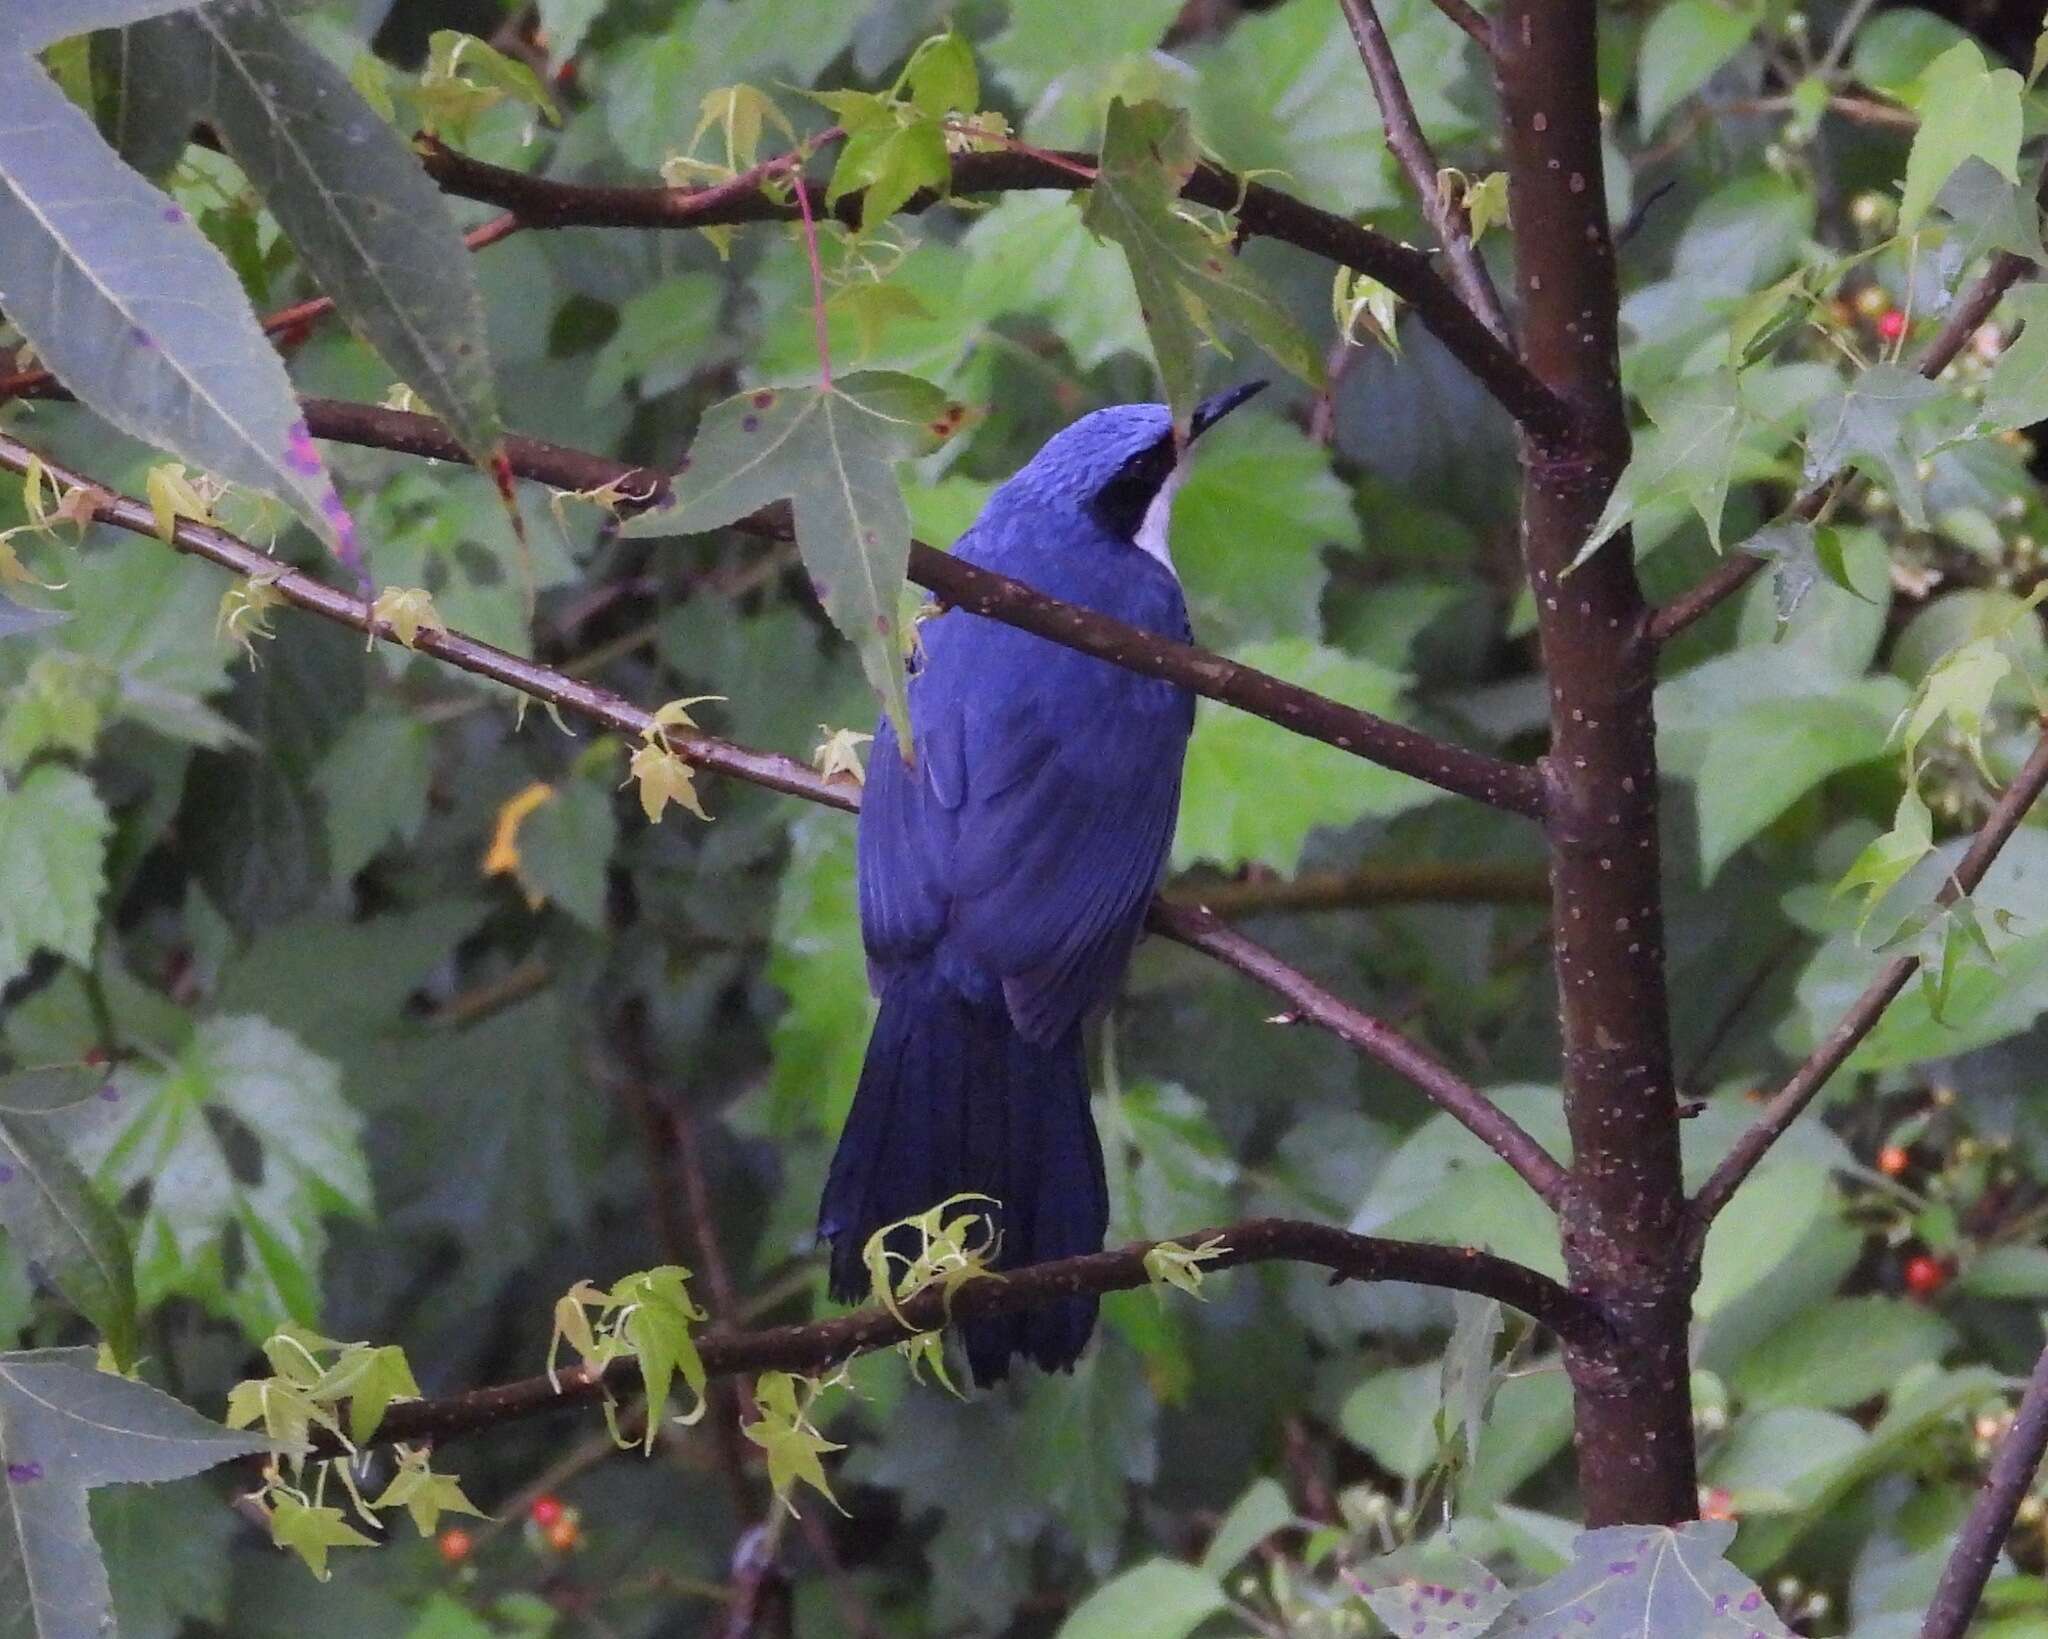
{"x":1715,"y":1503}
{"x":455,"y":1544}
{"x":1893,"y":1160}
{"x":1891,"y":324}
{"x":545,"y":1510}
{"x":564,"y":1534}
{"x":1926,"y":1275}
{"x":96,"y":1057}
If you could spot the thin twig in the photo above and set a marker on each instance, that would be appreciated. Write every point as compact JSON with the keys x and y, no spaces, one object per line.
{"x":1470,"y":19}
{"x":1446,"y":216}
{"x":959,"y":584}
{"x":818,"y":1345}
{"x":1438,"y":882}
{"x":1261,"y":211}
{"x":1863,"y":1015}
{"x":1982,"y":1538}
{"x":769,"y":769}
{"x":1373,"y":1037}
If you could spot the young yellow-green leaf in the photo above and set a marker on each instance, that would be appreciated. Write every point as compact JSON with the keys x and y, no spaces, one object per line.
{"x":349,"y":193}
{"x":382,"y":1376}
{"x":941,"y":76}
{"x":138,"y":314}
{"x":658,"y":1314}
{"x":1185,"y":279}
{"x":423,"y":1494}
{"x":948,"y":1253}
{"x":1698,"y":426}
{"x":408,"y":611}
{"x":1171,"y":1264}
{"x":832,"y":453}
{"x":311,"y":1531}
{"x":1486,"y":204}
{"x":1884,"y":863}
{"x":465,"y":77}
{"x":889,"y":161}
{"x":782,"y":1428}
{"x":1966,"y":109}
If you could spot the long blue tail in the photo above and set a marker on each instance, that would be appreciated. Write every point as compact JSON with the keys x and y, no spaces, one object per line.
{"x":952,"y":1099}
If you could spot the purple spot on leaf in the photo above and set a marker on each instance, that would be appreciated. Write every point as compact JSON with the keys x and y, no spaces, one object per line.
{"x":22,"y":1473}
{"x":1755,"y":1599}
{"x":1621,"y":1567}
{"x":299,"y":453}
{"x":141,"y":337}
{"x":111,"y":1093}
{"x":6,"y":1173}
{"x":174,"y":213}
{"x":750,"y":423}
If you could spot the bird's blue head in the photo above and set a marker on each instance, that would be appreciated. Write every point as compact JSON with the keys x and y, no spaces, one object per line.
{"x":1120,"y":466}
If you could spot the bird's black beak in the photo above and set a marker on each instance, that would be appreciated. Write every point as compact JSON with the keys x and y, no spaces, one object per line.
{"x":1212,"y":410}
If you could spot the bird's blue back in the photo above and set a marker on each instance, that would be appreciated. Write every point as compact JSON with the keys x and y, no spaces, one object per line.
{"x":1021,"y":849}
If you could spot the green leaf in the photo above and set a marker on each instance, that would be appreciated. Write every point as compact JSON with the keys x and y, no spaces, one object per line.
{"x":1699,"y":424}
{"x":64,"y":1429}
{"x":1760,"y":760}
{"x":1957,"y":691}
{"x":1185,"y":280}
{"x":1467,"y":1382}
{"x":1255,"y":1516}
{"x":1430,"y":1591}
{"x":1685,"y":42}
{"x":832,"y":453}
{"x":1033,"y":253}
{"x":1883,"y":864}
{"x":373,"y":786}
{"x":1965,"y":109}
{"x":1893,"y":50}
{"x":2016,"y":395}
{"x":820,"y":1036}
{"x":153,"y":96}
{"x":186,"y":1130}
{"x":565,"y":849}
{"x":1841,"y":1354}
{"x":375,"y":232}
{"x":1251,"y":523}
{"x":50,"y":1089}
{"x":888,"y":162}
{"x":53,"y":843}
{"x":1630,"y":1580}
{"x":1869,"y":423}
{"x":941,"y":75}
{"x":2014,"y":1271}
{"x":1160,"y":1599}
{"x":166,"y":1548}
{"x":1253,"y":792}
{"x":138,"y":314}
{"x":52,"y":1216}
{"x":1392,"y":1416}
{"x":661,"y":339}
{"x":565,"y":22}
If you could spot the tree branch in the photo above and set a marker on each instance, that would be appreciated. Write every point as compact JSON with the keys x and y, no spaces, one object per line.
{"x":1868,"y":1008}
{"x":963,"y":585}
{"x":1446,"y":216}
{"x":1736,"y":571}
{"x":1982,"y":1538}
{"x":1261,"y":211}
{"x":1469,"y":19}
{"x":786,"y":775}
{"x":1479,"y":1115}
{"x":819,"y":1345}
{"x":1430,"y":881}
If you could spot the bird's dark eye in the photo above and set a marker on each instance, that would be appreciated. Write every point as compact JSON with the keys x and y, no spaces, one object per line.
{"x":1120,"y":504}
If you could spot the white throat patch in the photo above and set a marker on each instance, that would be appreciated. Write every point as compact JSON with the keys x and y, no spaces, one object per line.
{"x":1152,"y":531}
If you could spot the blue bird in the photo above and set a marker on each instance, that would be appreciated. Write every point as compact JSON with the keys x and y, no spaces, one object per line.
{"x":1004,"y":876}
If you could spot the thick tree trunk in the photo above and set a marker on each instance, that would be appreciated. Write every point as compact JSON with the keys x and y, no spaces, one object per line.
{"x":1622,"y":1220}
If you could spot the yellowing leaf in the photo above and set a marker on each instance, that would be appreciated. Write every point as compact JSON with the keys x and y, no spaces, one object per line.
{"x":1486,"y":204}
{"x":172,"y":496}
{"x":947,"y":1253}
{"x":664,"y":778}
{"x":839,"y":753}
{"x":502,"y":857}
{"x":244,"y":613}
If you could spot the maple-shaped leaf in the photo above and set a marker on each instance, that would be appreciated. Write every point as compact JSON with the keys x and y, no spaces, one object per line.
{"x":1698,"y":425}
{"x":831,"y":452}
{"x":1871,"y":423}
{"x":311,"y":1530}
{"x":66,"y":1428}
{"x":185,"y":1132}
{"x":1966,"y":110}
{"x":1185,"y":278}
{"x":1430,"y":1591}
{"x":1634,"y":1580}
{"x":784,"y":1431}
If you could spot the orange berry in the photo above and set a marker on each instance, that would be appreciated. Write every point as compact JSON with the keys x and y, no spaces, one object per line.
{"x":564,"y":1534}
{"x":455,"y":1545}
{"x":546,"y":1510}
{"x":1892,"y":1160}
{"x":1926,"y":1275}
{"x":1716,"y":1503}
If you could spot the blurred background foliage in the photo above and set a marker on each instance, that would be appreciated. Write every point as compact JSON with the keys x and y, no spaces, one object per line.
{"x":389,"y":1080}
